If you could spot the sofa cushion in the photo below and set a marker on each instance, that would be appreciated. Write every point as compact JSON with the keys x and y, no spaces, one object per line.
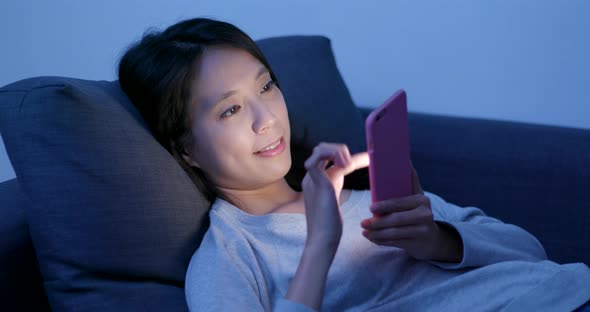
{"x":113,"y":218}
{"x":317,"y":98}
{"x":319,"y":104}
{"x":21,"y":287}
{"x":111,"y":211}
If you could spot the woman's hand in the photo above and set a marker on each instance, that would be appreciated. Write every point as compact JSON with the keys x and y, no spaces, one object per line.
{"x":321,"y":194}
{"x":322,"y":187}
{"x":408,"y":223}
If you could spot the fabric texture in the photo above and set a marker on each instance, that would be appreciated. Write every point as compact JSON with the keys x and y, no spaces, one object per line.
{"x":254,"y":258}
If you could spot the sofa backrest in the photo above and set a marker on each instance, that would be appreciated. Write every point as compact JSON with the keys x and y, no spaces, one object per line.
{"x":534,"y":176}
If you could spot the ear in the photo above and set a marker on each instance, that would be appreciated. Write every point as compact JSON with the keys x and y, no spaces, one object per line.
{"x":190,"y":160}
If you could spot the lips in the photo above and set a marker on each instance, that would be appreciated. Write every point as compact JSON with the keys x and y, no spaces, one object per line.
{"x":274,"y":143}
{"x":276,"y":148}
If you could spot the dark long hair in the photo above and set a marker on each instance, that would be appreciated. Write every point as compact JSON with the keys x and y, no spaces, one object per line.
{"x":156,"y":73}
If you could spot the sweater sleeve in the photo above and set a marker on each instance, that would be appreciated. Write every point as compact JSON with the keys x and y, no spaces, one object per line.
{"x":486,"y":240}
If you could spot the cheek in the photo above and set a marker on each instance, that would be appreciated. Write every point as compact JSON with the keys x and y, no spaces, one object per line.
{"x":219,"y":146}
{"x":281,"y":110}
{"x":204,"y":152}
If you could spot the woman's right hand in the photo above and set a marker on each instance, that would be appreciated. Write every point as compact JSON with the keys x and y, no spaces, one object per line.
{"x":322,"y":187}
{"x":321,"y":193}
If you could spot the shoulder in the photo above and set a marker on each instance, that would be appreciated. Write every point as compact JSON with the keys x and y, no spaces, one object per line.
{"x":223,"y":239}
{"x":222,"y":242}
{"x":220,"y":267}
{"x":222,"y":247}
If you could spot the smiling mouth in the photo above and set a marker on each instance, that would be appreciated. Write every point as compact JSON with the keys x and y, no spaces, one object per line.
{"x":271,"y":146}
{"x":273,"y":150}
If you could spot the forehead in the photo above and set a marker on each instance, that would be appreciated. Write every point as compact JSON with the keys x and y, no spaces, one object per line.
{"x":221,"y":69}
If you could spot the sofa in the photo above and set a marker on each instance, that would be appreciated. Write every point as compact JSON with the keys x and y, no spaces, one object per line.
{"x":101,"y":217}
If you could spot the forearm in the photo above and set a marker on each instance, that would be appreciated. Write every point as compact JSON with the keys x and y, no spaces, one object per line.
{"x":485,"y":240}
{"x":307,"y":287}
{"x":485,"y":244}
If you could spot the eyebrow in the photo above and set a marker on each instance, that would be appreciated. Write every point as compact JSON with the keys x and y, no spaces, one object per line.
{"x":263,"y":70}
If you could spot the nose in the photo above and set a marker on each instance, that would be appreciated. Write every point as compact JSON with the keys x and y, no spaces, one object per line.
{"x":264,"y":118}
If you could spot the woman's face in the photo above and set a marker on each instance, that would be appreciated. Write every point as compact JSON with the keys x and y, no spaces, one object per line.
{"x":237,"y":111}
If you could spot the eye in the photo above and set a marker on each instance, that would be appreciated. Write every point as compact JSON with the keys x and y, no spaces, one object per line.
{"x":268,"y":86}
{"x":232,"y":110}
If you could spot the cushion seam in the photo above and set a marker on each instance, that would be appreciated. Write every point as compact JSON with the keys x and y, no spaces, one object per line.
{"x":20,"y":108}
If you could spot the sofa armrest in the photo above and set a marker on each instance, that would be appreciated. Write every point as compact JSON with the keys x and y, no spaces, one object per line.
{"x":534,"y":176}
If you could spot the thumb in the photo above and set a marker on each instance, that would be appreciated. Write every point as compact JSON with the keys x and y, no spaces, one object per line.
{"x":416,"y":187}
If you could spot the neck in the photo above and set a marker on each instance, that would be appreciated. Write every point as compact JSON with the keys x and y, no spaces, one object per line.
{"x":263,"y":200}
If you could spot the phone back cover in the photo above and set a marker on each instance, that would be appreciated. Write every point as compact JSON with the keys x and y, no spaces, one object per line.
{"x":388,"y":144}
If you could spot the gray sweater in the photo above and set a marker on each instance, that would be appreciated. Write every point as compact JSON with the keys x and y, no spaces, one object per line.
{"x":246,"y":263}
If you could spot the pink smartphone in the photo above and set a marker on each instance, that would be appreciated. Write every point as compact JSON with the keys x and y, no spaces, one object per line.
{"x":388,"y":145}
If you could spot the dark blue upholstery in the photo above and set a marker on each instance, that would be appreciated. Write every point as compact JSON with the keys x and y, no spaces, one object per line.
{"x":113,"y":218}
{"x":21,"y":287}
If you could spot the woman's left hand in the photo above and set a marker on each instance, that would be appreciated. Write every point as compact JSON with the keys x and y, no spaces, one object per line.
{"x":408,"y":223}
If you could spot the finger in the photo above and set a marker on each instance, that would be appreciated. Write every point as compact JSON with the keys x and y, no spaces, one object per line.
{"x":329,"y":151}
{"x":399,"y":243}
{"x":404,"y":232}
{"x":420,"y":215}
{"x":358,"y":161}
{"x":316,"y":163}
{"x":322,"y":154}
{"x":416,"y":187}
{"x":399,"y":204}
{"x":348,"y":155}
{"x":344,"y":155}
{"x":338,"y":157}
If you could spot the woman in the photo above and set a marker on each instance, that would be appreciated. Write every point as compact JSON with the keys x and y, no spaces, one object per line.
{"x":211,"y":98}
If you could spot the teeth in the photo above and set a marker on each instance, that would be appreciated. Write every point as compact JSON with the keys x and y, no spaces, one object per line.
{"x":271,"y":147}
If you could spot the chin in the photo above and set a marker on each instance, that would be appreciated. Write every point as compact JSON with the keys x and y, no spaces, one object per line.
{"x":280,"y":170}
{"x":284,"y":168}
